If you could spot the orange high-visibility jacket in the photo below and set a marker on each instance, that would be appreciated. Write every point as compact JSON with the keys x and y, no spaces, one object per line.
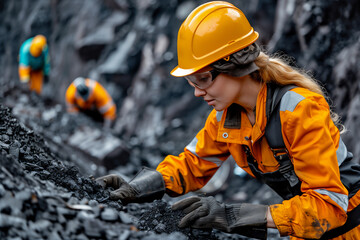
{"x":315,"y":147}
{"x":98,"y":99}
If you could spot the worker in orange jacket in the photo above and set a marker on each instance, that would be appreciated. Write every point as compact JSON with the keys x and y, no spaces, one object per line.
{"x":34,"y":63}
{"x":88,"y":96}
{"x":312,"y":171}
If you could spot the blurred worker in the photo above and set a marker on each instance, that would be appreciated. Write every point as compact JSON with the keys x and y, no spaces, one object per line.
{"x":273,"y":120}
{"x":89,"y":97}
{"x":34,"y":63}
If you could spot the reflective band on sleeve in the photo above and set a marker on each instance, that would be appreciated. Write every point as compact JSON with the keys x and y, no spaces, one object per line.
{"x":290,"y":100}
{"x":192,"y":148}
{"x":219,"y":115}
{"x":341,"y":199}
{"x":341,"y":152}
{"x":92,"y":84}
{"x":106,"y":107}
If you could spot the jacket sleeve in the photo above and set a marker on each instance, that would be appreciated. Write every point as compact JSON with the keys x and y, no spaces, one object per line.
{"x":314,"y":143}
{"x":71,"y":106}
{"x":24,"y":67}
{"x":194,"y":167}
{"x":46,"y":67}
{"x":104,"y":102}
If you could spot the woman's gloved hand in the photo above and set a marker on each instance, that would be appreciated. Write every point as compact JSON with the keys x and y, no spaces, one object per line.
{"x":146,"y":186}
{"x":205,"y":212}
{"x":202,"y":212}
{"x":111,"y":180}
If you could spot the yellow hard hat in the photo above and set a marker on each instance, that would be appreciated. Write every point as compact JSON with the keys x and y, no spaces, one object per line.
{"x":212,"y":31}
{"x":37,"y":45}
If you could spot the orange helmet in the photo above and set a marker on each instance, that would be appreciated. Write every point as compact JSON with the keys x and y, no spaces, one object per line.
{"x":212,"y":31}
{"x":37,"y":45}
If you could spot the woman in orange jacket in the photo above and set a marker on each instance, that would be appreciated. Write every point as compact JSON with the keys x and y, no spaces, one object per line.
{"x":88,"y":96}
{"x":310,"y":167}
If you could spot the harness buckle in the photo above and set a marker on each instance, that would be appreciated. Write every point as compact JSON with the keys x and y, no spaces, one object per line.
{"x":286,"y":168}
{"x":276,"y":152}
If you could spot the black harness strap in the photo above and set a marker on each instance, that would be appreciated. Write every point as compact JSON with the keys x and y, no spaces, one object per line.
{"x":274,"y":96}
{"x":273,"y":131}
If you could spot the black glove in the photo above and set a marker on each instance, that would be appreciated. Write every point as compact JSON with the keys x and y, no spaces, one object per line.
{"x":111,"y":180}
{"x":146,"y":186}
{"x":205,"y":212}
{"x":24,"y":86}
{"x":46,"y":79}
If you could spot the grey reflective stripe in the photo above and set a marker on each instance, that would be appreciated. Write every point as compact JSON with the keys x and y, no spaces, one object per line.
{"x":341,"y":152}
{"x":341,"y":199}
{"x":106,"y":107}
{"x":290,"y":100}
{"x":192,"y":148}
{"x":219,"y":115}
{"x":91,"y":86}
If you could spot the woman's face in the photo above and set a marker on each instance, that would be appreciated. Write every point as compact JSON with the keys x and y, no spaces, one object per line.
{"x":223,"y":91}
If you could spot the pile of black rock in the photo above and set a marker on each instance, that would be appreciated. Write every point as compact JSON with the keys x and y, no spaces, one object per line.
{"x":43,"y":196}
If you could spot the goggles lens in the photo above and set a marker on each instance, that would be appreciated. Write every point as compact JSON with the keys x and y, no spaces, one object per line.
{"x":202,"y":80}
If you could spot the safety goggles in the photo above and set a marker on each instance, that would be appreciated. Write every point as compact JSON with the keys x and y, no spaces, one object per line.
{"x":202,"y":80}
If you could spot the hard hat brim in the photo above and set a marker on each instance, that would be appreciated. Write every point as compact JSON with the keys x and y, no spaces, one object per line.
{"x":180,"y":72}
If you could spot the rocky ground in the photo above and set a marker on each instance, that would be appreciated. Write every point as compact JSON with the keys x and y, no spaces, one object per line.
{"x":44,"y":196}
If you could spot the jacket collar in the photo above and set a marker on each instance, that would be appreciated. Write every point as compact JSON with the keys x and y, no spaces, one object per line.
{"x":232,"y":117}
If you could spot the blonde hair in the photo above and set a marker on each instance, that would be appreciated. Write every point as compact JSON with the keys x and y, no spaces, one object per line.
{"x":277,"y":69}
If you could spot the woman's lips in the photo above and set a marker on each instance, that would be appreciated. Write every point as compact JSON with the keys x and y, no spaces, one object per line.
{"x":210,"y":102}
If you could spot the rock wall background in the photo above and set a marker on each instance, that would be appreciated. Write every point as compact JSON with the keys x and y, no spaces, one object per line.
{"x":130,"y":47}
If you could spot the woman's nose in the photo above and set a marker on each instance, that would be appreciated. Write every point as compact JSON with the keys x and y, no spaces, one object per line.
{"x":199,"y":92}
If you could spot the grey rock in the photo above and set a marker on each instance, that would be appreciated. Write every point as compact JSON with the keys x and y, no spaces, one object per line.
{"x":93,"y":228}
{"x":109,"y":214}
{"x":40,"y":226}
{"x":160,"y":228}
{"x":54,"y":235}
{"x":4,"y":145}
{"x":124,"y":235}
{"x":126,"y":218}
{"x":2,"y":191}
{"x":23,"y":195}
{"x":7,"y":221}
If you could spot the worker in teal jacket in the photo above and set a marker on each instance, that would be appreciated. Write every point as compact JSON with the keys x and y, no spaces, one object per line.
{"x":34,"y":63}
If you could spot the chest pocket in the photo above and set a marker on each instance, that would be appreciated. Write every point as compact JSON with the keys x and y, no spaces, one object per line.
{"x":268,"y":161}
